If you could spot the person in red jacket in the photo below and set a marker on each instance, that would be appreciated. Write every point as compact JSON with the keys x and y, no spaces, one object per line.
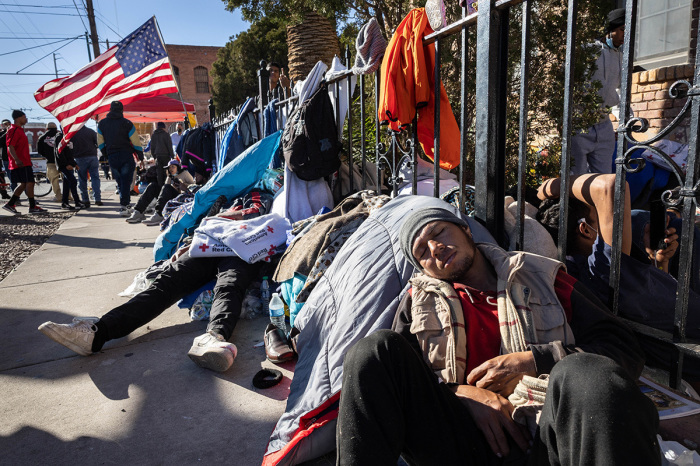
{"x":21,"y":171}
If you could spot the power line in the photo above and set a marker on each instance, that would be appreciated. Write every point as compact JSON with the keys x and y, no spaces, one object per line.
{"x":38,"y":46}
{"x":38,"y":13}
{"x":108,"y":26}
{"x":34,"y":6}
{"x":81,"y":18}
{"x":37,"y":38}
{"x":47,"y":55}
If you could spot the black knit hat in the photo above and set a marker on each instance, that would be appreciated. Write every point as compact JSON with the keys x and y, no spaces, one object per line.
{"x":415,"y":223}
{"x":17,"y":114}
{"x":616,"y":18}
{"x":116,"y":106}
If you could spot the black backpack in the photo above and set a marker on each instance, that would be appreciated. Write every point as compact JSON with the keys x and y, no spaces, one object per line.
{"x":310,"y":140}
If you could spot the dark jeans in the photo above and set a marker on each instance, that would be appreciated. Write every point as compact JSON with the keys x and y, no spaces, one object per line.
{"x":123,"y":165}
{"x":89,"y":165}
{"x":162,"y":164}
{"x":185,"y":275}
{"x":392,"y":405}
{"x":70,"y":186}
{"x":167,"y":192}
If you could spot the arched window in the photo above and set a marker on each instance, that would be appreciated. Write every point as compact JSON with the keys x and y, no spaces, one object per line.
{"x":201,"y":80}
{"x":176,"y":73}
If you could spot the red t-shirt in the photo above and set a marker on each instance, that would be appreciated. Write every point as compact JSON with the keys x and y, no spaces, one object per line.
{"x":17,"y":138}
{"x":481,"y":318}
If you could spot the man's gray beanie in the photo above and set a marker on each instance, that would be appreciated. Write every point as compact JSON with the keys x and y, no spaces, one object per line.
{"x":370,"y":45}
{"x":416,"y":222}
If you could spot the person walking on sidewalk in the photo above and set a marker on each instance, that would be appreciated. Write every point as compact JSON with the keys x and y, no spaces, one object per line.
{"x":85,"y":155}
{"x":117,"y":137}
{"x":46,"y":148}
{"x":162,"y":151}
{"x":21,"y":171}
{"x":177,"y":182}
{"x":3,"y":158}
{"x":67,"y":165}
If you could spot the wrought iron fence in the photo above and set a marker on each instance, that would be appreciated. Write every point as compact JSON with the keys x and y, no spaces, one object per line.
{"x":392,"y":150}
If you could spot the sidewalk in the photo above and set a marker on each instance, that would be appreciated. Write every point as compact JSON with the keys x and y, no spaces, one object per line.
{"x":141,"y":400}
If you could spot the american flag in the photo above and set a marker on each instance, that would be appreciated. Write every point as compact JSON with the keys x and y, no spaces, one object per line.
{"x":135,"y":68}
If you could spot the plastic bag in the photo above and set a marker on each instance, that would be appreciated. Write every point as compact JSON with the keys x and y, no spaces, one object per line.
{"x":202,"y":305}
{"x":139,"y":284}
{"x":673,"y":453}
{"x":252,"y":304}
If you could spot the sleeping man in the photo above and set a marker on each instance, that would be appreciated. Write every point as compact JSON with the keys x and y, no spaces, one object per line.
{"x":478,"y":322}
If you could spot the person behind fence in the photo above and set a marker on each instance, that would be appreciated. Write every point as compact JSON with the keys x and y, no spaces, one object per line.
{"x":85,"y":154}
{"x":182,"y":276}
{"x":592,"y":151}
{"x":647,"y":292}
{"x":20,"y":163}
{"x":177,"y":182}
{"x":67,"y":166}
{"x":117,"y":137}
{"x":46,"y":147}
{"x":278,"y":78}
{"x":479,"y":331}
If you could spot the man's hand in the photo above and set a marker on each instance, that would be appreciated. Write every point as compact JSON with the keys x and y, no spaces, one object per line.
{"x":492,"y":415}
{"x":284,"y":80}
{"x":502,"y":373}
{"x":662,"y":256}
{"x":231,"y":214}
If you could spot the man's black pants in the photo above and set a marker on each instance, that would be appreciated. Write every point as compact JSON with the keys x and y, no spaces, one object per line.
{"x":185,"y":275}
{"x":392,"y":405}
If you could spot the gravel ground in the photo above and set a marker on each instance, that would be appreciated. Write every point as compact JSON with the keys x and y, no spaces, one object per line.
{"x":21,"y":235}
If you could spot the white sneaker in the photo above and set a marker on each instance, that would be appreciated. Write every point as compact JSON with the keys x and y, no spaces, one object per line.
{"x":153,"y":220}
{"x":124,"y":211}
{"x":136,"y":217}
{"x":77,"y":336}
{"x":211,"y":351}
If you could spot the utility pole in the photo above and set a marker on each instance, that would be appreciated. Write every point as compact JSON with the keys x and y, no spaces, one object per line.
{"x":93,"y":28}
{"x":54,"y":65}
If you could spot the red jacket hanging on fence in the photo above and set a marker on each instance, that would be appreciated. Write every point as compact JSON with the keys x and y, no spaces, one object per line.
{"x":408,"y":85}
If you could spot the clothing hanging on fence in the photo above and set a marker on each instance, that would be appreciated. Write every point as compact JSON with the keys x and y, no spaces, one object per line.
{"x":270,"y":118}
{"x":299,"y":199}
{"x":240,"y":135}
{"x":370,"y":46}
{"x":408,"y":84}
{"x":306,"y":88}
{"x":337,"y":68}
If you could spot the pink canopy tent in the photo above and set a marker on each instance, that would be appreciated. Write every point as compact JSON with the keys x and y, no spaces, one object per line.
{"x":154,"y":109}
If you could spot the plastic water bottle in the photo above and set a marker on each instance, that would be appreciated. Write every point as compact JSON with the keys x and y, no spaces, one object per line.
{"x":277,"y":312}
{"x":265,"y":295}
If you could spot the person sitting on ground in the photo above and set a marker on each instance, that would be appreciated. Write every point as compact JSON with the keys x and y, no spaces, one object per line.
{"x":182,"y":276}
{"x":479,"y":319}
{"x":20,"y":163}
{"x":177,"y":182}
{"x":67,"y":166}
{"x":647,"y":291}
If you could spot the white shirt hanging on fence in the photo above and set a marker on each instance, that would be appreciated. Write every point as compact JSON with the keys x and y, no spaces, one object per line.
{"x":308,"y":86}
{"x":336,"y":68}
{"x":252,"y":240}
{"x":299,"y":199}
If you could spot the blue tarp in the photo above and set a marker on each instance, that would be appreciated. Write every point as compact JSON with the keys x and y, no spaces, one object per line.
{"x":232,"y":181}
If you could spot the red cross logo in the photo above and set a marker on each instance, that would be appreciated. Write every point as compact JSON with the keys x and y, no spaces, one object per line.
{"x":204,"y":247}
{"x":269,"y":228}
{"x":243,"y":227}
{"x":271,"y":251}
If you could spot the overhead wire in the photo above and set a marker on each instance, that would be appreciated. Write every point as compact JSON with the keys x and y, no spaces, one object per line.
{"x":59,"y":48}
{"x":38,"y":46}
{"x":81,"y":18}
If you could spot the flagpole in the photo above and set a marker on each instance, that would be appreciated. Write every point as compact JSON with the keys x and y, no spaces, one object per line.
{"x":160,"y":36}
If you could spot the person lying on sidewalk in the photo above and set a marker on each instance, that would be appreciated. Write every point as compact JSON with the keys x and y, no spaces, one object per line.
{"x":478,"y":325}
{"x":184,"y":275}
{"x":177,"y":182}
{"x":647,"y":291}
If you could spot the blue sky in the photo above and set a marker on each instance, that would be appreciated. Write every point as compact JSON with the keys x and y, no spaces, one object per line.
{"x":200,"y":22}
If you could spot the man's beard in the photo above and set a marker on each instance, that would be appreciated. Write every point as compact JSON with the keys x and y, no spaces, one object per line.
{"x":460,"y":268}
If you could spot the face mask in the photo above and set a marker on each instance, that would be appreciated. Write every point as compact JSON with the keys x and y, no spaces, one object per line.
{"x":609,"y":41}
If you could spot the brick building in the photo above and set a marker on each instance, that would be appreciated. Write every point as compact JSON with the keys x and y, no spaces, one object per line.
{"x":191,"y":66}
{"x":666,"y":44}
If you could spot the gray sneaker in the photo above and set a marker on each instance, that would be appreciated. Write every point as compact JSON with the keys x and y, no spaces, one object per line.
{"x":77,"y":336}
{"x":153,"y":220}
{"x":136,"y":217}
{"x":124,"y":211}
{"x":211,"y":351}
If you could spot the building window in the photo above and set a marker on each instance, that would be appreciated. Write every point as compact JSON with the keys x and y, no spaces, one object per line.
{"x":663,"y":33}
{"x":176,"y":73}
{"x":201,"y":80}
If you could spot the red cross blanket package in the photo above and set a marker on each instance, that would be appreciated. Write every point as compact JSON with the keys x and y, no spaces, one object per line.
{"x":252,"y":240}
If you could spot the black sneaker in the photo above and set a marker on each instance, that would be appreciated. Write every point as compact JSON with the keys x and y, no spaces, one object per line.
{"x":99,"y":203}
{"x":37,"y":210}
{"x":10,"y":208}
{"x":84,"y":205}
{"x":67,"y":207}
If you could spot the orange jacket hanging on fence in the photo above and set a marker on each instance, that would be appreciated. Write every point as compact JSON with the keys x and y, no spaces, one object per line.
{"x":408,"y":84}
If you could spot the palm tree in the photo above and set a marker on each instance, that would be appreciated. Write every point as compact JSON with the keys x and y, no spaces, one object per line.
{"x":309,"y":41}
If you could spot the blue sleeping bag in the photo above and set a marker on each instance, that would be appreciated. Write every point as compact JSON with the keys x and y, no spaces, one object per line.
{"x":232,"y":181}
